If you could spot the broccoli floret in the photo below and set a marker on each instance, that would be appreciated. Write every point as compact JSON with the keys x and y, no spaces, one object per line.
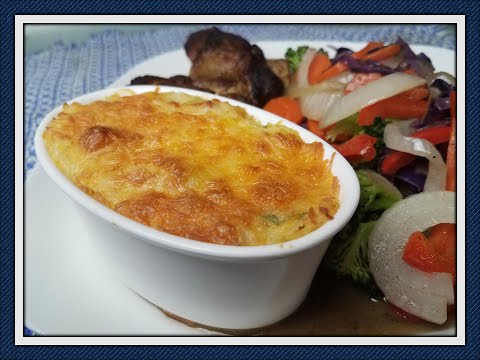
{"x":294,"y":57}
{"x":377,"y":128}
{"x":347,"y":254}
{"x":374,"y":196}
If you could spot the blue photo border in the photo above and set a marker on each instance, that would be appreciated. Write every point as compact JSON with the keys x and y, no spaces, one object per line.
{"x":10,"y":8}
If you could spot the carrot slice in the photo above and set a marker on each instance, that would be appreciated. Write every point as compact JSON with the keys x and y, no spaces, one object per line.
{"x":360,"y":148}
{"x":418,"y":93}
{"x":452,"y":152}
{"x":436,"y":135}
{"x":406,"y":105}
{"x":383,"y":53}
{"x":332,"y":71}
{"x":435,"y":253}
{"x":319,"y":64}
{"x":419,"y":252}
{"x":285,"y":107}
{"x":361,"y":54}
{"x":443,"y":239}
{"x":394,"y":107}
{"x":340,"y":67}
{"x":394,"y":161}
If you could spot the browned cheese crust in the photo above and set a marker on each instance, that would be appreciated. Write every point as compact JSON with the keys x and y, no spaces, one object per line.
{"x":195,"y":168}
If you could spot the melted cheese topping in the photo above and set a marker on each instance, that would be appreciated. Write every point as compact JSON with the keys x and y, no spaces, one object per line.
{"x":200,"y":169}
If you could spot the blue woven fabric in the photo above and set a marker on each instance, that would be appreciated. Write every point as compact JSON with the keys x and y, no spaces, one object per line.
{"x":62,"y":72}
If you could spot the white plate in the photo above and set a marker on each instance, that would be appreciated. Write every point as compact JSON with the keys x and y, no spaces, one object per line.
{"x":177,"y":62}
{"x":67,"y":289}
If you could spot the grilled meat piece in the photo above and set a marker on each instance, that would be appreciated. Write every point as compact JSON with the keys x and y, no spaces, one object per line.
{"x":228,"y":65}
{"x":216,"y":55}
{"x":177,"y":80}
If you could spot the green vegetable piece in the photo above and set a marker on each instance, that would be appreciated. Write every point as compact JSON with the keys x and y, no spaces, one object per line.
{"x":347,"y":254}
{"x":374,"y":196}
{"x":294,"y":57}
{"x":349,"y":257}
{"x":348,"y":126}
{"x":377,"y":128}
{"x":272,"y":218}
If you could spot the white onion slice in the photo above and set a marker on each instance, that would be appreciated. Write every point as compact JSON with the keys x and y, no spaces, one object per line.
{"x":301,"y":79}
{"x":314,"y":106}
{"x":383,"y":88}
{"x":296,"y":92}
{"x":419,"y":293}
{"x":393,"y":62}
{"x":448,"y":78}
{"x":345,"y":77}
{"x":396,"y":138}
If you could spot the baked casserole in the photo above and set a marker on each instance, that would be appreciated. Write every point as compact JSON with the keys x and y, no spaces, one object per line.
{"x":196,"y":168}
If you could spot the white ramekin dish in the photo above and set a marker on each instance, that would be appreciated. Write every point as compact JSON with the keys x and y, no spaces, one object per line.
{"x":220,"y":286}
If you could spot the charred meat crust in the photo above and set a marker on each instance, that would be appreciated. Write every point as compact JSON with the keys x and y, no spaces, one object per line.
{"x":232,"y":66}
{"x":264,"y":84}
{"x":226,"y":65}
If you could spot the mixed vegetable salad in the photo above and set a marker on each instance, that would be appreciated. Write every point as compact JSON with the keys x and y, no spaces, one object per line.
{"x":387,"y":111}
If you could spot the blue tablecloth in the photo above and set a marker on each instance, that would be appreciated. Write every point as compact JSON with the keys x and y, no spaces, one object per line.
{"x":64,"y":71}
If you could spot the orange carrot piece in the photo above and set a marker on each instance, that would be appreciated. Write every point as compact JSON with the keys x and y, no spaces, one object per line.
{"x":443,"y":239}
{"x":319,"y":64}
{"x":394,"y":161}
{"x":361,"y":54}
{"x":435,"y":253}
{"x":452,"y":152}
{"x":436,"y":135}
{"x":419,"y":253}
{"x":408,"y":104}
{"x":332,"y":71}
{"x":418,"y":93}
{"x":340,"y":67}
{"x":360,"y":148}
{"x":285,"y":107}
{"x":383,"y":53}
{"x":393,"y":107}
